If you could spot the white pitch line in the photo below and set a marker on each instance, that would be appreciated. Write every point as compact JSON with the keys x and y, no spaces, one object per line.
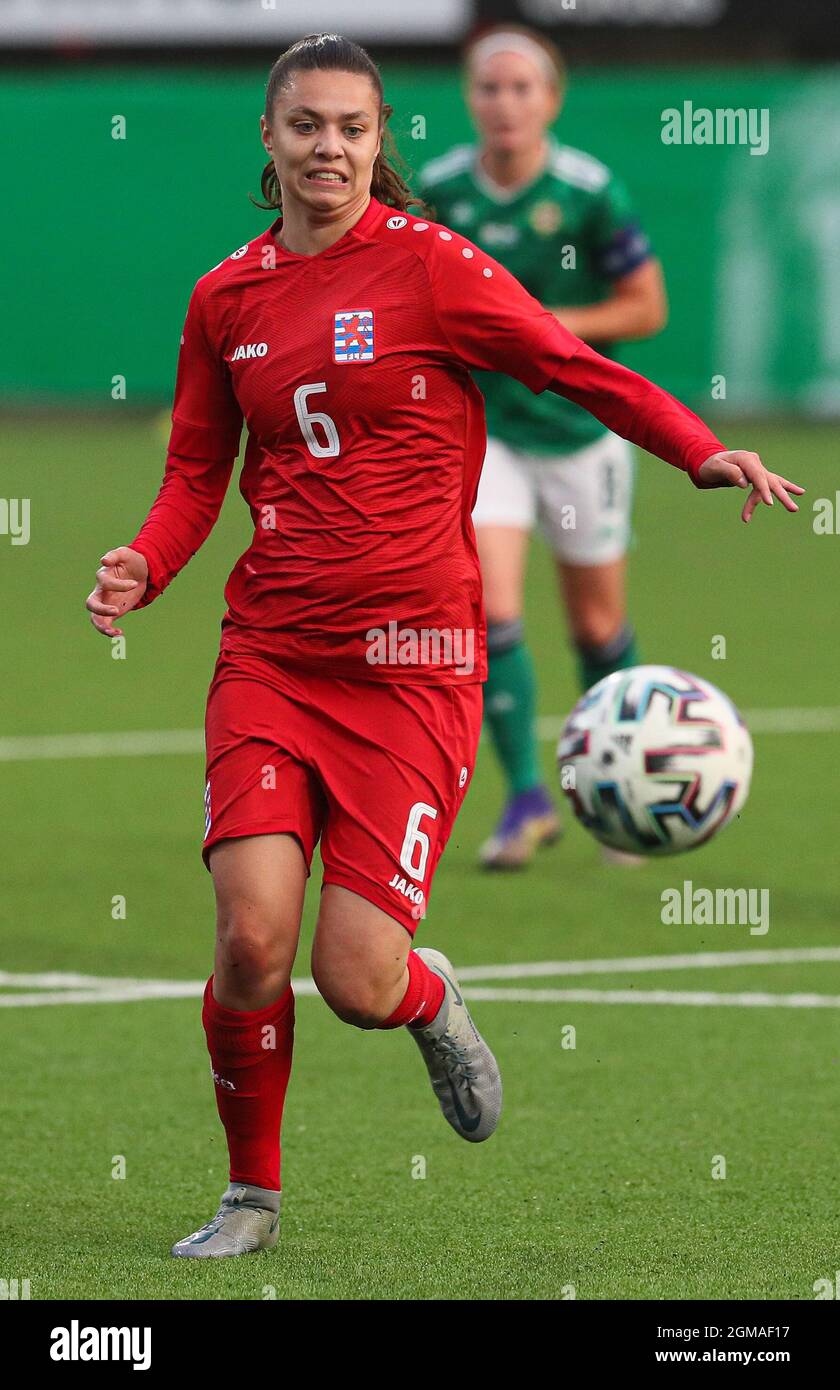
{"x":140,"y":744}
{"x":113,"y":993}
{"x":57,"y":987}
{"x":703,"y":999}
{"x":687,"y":960}
{"x":21,"y":1000}
{"x":152,"y":742}
{"x":61,"y":979}
{"x":690,"y":960}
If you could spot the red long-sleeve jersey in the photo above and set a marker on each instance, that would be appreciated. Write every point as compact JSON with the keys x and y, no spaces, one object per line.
{"x":366,"y":437}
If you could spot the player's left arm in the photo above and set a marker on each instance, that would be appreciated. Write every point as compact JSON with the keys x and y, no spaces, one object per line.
{"x":635,"y":304}
{"x":490,"y":321}
{"x":642,"y":412}
{"x":636,"y":307}
{"x":741,"y":468}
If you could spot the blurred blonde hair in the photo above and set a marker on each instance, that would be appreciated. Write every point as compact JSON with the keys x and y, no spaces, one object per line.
{"x":548,"y":49}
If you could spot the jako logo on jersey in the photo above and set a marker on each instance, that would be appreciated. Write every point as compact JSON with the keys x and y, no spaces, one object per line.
{"x":353,"y":336}
{"x":235,"y":255}
{"x":249,"y":350}
{"x":207,"y":817}
{"x":396,"y":223}
{"x":408,"y":890}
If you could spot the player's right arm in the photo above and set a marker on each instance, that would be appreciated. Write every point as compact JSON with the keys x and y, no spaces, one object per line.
{"x":203,"y":444}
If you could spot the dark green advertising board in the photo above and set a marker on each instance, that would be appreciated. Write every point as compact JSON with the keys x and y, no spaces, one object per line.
{"x":123,"y":185}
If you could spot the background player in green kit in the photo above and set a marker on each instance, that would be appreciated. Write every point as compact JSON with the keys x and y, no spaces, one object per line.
{"x":564,"y":225}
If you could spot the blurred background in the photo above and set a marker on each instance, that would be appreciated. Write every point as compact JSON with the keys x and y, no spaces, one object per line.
{"x":751,"y":246}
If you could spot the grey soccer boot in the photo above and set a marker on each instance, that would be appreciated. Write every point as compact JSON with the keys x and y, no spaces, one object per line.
{"x":248,"y":1219}
{"x":461,"y":1067}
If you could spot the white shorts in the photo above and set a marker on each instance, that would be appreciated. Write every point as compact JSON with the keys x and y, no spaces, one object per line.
{"x":582,"y":500}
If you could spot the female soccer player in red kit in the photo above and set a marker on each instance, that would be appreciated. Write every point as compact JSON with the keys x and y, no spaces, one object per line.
{"x":346,"y":700}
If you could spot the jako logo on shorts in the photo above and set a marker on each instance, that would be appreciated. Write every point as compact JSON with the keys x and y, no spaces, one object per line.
{"x":408,"y":890}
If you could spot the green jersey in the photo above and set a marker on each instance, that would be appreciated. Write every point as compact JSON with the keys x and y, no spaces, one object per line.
{"x":566,"y":236}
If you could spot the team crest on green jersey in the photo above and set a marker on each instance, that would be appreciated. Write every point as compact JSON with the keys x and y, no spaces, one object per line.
{"x":546,"y":217}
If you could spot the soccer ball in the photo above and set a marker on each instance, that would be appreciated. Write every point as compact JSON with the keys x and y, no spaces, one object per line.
{"x":655,"y":760}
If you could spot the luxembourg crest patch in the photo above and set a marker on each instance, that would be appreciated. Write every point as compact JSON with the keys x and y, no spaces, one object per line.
{"x":353,"y":338}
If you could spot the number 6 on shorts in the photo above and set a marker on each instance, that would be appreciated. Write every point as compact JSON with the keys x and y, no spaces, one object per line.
{"x":416,"y":838}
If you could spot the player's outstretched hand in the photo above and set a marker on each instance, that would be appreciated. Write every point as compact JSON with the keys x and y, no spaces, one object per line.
{"x":740,"y":468}
{"x":120,"y":584}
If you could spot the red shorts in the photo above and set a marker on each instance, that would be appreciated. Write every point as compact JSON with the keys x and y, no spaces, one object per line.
{"x":376,"y":771}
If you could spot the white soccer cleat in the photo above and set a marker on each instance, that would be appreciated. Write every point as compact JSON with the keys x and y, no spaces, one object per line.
{"x":462,"y":1069}
{"x":240,"y":1226}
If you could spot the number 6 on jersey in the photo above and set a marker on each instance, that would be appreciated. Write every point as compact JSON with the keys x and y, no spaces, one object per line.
{"x":416,"y":841}
{"x":308,"y":418}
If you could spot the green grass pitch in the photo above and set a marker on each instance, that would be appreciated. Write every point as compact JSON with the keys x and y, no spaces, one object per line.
{"x":600,"y":1176}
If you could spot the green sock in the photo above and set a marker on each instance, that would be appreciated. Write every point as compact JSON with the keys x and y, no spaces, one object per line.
{"x":594,"y":663}
{"x":509,"y":711}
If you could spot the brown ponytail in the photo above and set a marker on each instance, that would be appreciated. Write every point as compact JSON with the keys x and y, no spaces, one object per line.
{"x":334,"y":53}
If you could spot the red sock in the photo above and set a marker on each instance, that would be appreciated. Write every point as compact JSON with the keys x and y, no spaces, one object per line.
{"x":251,"y":1057}
{"x":422,"y":998}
